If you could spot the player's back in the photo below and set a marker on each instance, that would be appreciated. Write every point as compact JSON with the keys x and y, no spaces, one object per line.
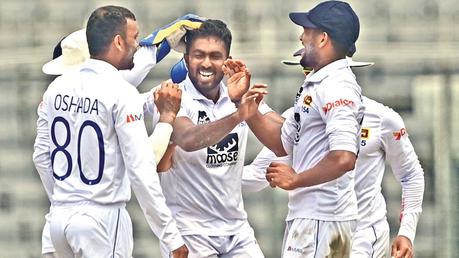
{"x":83,"y":110}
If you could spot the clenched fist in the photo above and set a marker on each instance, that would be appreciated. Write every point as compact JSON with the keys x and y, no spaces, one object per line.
{"x":167,"y":100}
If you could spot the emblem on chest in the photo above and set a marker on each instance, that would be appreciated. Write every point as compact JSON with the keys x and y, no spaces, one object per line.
{"x":364,"y":136}
{"x":202,"y":118}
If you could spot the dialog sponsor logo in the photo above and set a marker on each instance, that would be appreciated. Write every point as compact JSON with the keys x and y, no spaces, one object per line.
{"x":336,"y":104}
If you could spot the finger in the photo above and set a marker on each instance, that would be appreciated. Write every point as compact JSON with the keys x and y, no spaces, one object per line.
{"x":270,"y":170}
{"x":236,"y":76}
{"x":404,"y":252}
{"x":275,"y":164}
{"x":258,"y":91}
{"x":227,"y":70}
{"x":230,"y":64}
{"x":260,"y":86}
{"x":239,"y":63}
{"x":393,"y":251}
{"x":248,"y":74}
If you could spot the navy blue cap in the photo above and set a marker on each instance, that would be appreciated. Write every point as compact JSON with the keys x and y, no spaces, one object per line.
{"x":334,"y":17}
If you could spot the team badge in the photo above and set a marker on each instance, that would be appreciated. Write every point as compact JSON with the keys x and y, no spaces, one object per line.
{"x":365,"y":133}
{"x":307,"y":100}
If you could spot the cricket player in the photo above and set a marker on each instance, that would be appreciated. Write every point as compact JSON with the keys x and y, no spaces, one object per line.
{"x":93,"y":147}
{"x":385,"y":138}
{"x":322,"y":137}
{"x":72,"y":51}
{"x":203,"y":185}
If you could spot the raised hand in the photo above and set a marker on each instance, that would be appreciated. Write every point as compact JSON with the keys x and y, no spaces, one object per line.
{"x":281,"y":175}
{"x":402,"y":248}
{"x":181,"y":252}
{"x":250,"y":101}
{"x":238,"y":78}
{"x":167,"y":100}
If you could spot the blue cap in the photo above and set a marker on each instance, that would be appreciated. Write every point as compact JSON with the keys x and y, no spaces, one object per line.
{"x":334,"y":17}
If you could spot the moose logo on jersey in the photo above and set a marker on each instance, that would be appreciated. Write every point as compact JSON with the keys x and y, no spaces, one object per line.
{"x":203,"y":118}
{"x":224,"y":153}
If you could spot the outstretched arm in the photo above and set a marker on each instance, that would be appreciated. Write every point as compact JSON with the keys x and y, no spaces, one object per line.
{"x":192,"y":137}
{"x":267,"y":128}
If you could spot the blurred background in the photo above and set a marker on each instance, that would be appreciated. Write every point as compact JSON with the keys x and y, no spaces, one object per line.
{"x":414,"y":43}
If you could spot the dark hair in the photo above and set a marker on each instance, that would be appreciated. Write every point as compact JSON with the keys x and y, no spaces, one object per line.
{"x":210,"y":27}
{"x":103,"y":25}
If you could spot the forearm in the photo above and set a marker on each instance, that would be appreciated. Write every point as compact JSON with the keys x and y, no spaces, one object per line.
{"x":267,"y":128}
{"x":166,"y":161}
{"x":200,"y":136}
{"x":413,"y":191}
{"x":159,"y":139}
{"x":331,"y":167}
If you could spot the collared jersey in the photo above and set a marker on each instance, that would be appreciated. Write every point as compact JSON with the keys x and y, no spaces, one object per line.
{"x":327,"y":114}
{"x":384,"y":138}
{"x":203,"y":187}
{"x":95,"y":145}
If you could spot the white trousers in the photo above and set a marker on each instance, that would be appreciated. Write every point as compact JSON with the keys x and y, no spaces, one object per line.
{"x":240,"y":245}
{"x":91,"y":231}
{"x":309,"y":238}
{"x":371,"y":241}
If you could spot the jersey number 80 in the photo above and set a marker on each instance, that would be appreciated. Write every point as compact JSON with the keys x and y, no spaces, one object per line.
{"x":68,"y":156}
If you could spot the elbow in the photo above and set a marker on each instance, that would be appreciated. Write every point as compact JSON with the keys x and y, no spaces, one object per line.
{"x":345,"y":160}
{"x":349,"y":165}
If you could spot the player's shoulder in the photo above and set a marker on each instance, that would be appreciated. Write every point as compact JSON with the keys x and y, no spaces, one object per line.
{"x":63,"y":81}
{"x":341,"y":81}
{"x":390,"y":119}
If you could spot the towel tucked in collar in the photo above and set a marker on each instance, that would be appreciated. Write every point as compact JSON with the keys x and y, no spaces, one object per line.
{"x":172,"y":35}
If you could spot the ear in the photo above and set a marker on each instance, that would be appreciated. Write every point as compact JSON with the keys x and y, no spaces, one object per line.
{"x":323,"y":39}
{"x":118,"y":42}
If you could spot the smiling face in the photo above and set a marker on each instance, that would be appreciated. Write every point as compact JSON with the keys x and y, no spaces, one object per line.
{"x":130,"y":45}
{"x":205,"y":61}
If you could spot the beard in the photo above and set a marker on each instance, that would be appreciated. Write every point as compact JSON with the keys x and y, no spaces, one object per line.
{"x":127,"y":64}
{"x":308,"y":58}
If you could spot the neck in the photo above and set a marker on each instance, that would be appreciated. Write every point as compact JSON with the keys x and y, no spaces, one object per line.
{"x":326,"y":61}
{"x":107,"y":57}
{"x":213,"y":95}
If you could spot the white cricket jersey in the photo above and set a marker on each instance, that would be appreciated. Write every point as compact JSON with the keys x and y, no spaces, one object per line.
{"x":149,"y":105}
{"x":98,"y":145}
{"x":203,"y":187}
{"x":254,"y":175}
{"x":384,"y":137}
{"x":327,"y":114}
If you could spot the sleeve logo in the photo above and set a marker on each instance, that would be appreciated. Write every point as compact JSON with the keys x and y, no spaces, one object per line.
{"x":338,"y":103}
{"x":132,"y":118}
{"x":399,"y":134}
